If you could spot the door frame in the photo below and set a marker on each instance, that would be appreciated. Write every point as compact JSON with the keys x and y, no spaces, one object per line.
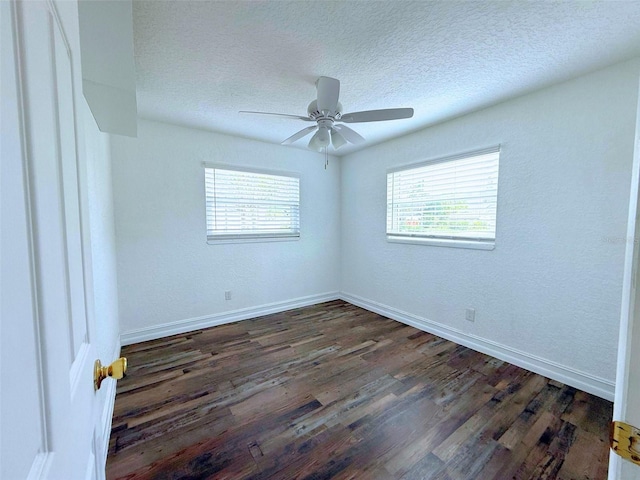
{"x":629,"y":334}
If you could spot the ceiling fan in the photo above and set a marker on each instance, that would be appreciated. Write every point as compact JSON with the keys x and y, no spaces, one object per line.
{"x":326,"y":111}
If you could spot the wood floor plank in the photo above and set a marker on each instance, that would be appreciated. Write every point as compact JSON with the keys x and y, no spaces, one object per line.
{"x":333,"y":391}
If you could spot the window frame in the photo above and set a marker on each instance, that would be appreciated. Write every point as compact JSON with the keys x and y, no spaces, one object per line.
{"x":250,"y":237}
{"x":444,"y":240}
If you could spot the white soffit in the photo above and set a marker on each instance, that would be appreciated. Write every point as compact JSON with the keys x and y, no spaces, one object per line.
{"x":199,"y":62}
{"x":108,"y":70}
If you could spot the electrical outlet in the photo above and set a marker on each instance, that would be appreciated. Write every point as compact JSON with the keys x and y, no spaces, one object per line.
{"x":471,"y":314}
{"x":227,"y":295}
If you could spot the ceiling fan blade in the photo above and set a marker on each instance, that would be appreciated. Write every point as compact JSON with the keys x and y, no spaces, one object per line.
{"x":328,"y":93}
{"x":377,"y":115}
{"x":297,"y":136}
{"x":314,"y":144}
{"x":306,"y":119}
{"x":337,"y":140}
{"x":349,"y":134}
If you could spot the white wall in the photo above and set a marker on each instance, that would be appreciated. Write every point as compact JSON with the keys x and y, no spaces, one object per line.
{"x":103,"y":239}
{"x":169,"y":278}
{"x":548,"y":296}
{"x":103,"y":262}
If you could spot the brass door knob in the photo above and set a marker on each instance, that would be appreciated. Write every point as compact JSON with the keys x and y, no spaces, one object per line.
{"x":116,"y":371}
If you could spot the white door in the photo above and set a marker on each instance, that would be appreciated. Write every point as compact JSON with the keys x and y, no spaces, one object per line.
{"x":49,"y":411}
{"x":627,"y":397}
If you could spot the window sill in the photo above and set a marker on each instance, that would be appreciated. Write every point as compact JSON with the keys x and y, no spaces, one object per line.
{"x":218,"y":241}
{"x":444,"y":242}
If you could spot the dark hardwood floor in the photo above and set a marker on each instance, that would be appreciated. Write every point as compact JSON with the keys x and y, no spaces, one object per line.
{"x":335,"y":391}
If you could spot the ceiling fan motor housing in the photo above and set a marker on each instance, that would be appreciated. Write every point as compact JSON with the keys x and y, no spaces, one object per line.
{"x":314,"y":113}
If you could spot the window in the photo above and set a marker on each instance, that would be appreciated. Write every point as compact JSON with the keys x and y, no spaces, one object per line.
{"x":449,"y":201}
{"x":243,"y":204}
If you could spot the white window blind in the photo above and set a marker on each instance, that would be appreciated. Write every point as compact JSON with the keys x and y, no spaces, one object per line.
{"x":452,"y":198}
{"x":244,"y":204}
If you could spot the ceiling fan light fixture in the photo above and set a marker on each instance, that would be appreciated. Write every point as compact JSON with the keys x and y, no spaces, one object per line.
{"x":324,"y":136}
{"x":321,"y":139}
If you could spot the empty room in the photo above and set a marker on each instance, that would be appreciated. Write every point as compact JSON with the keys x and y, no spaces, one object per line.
{"x":320,"y":239}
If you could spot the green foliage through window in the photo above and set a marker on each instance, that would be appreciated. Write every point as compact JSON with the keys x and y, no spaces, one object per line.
{"x":448,"y":198}
{"x":246,"y":204}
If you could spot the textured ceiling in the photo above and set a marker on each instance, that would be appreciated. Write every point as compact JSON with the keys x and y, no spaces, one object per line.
{"x":200,"y":62}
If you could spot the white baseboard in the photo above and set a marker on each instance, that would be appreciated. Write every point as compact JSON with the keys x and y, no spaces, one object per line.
{"x":102,"y":434}
{"x":107,"y":411}
{"x":206,"y":321}
{"x":40,"y":466}
{"x":584,"y":381}
{"x":90,"y":471}
{"x":107,"y":417}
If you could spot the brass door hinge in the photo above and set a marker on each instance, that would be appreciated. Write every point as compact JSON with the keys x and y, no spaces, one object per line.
{"x":624,"y":439}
